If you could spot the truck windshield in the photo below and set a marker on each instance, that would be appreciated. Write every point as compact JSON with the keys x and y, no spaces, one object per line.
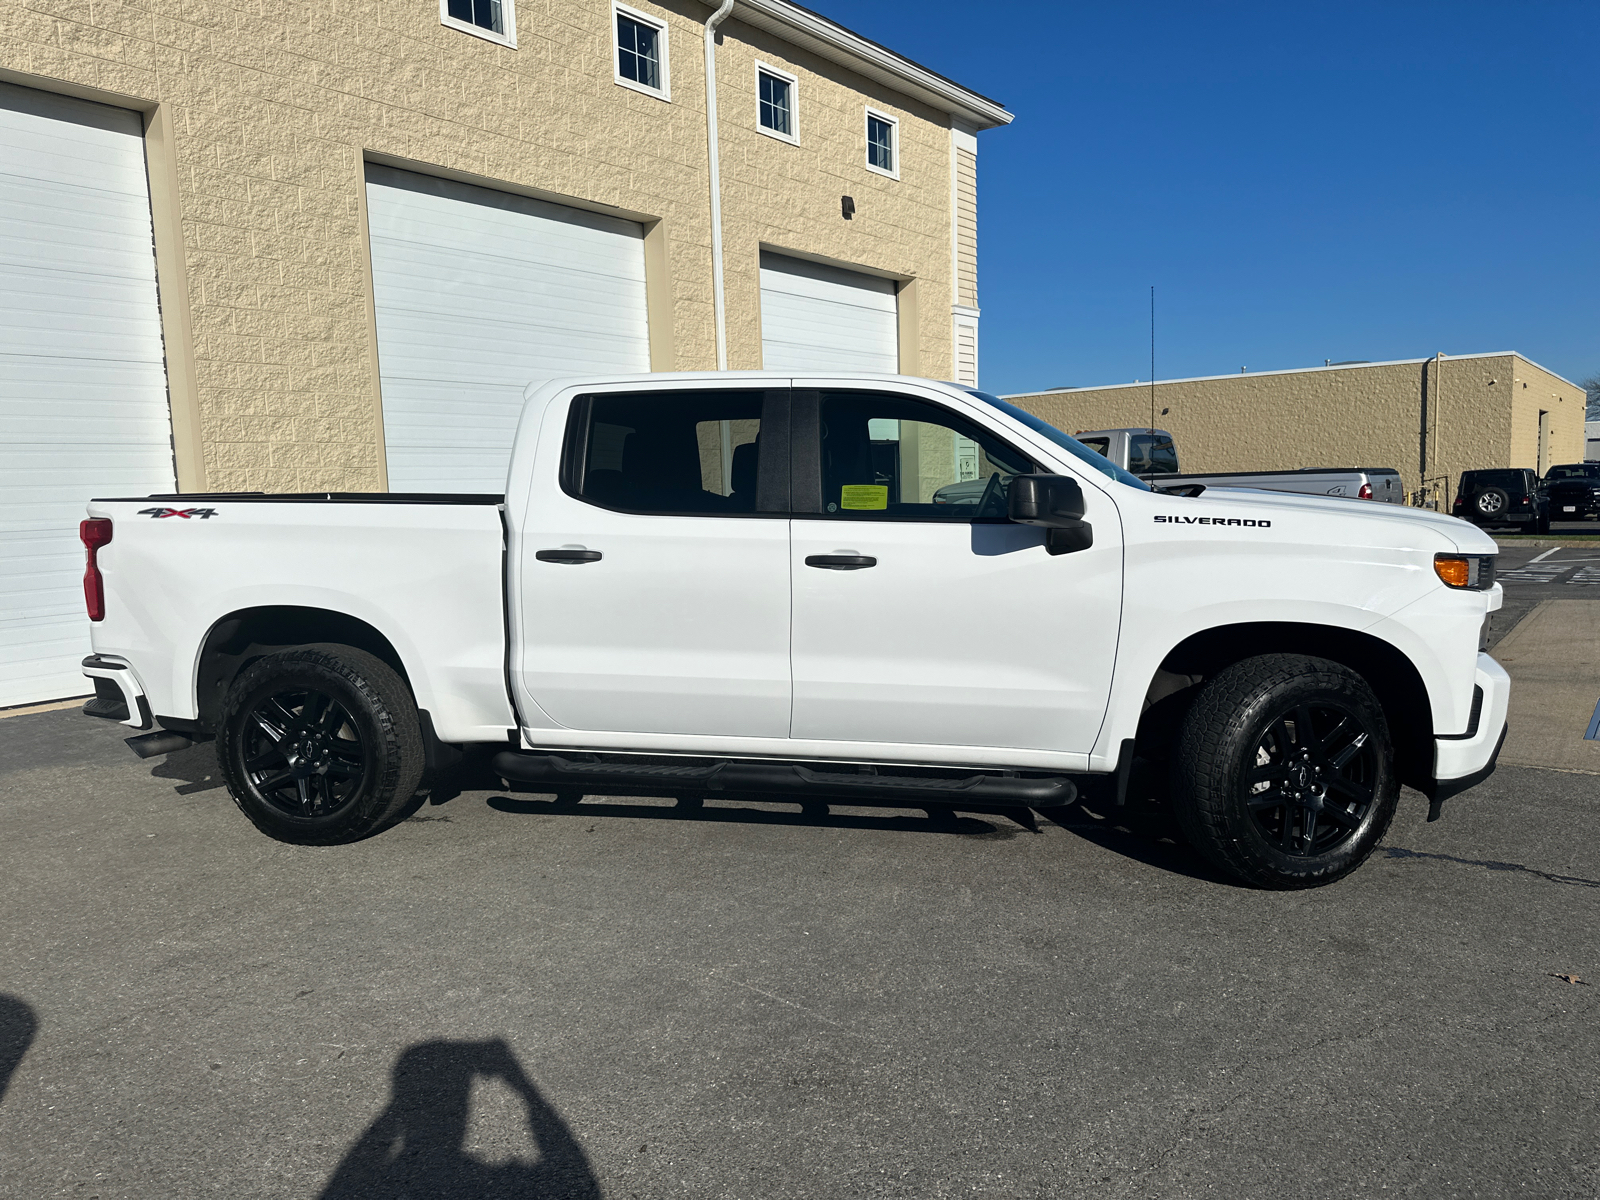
{"x":1065,"y":440}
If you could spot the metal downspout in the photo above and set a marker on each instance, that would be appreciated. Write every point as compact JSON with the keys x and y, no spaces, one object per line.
{"x":719,"y":301}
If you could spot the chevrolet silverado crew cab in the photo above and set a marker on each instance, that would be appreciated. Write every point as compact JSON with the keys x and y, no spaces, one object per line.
{"x":740,"y":584}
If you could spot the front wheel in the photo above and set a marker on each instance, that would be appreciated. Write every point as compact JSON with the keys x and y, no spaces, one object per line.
{"x":1284,"y":776}
{"x":320,"y":745}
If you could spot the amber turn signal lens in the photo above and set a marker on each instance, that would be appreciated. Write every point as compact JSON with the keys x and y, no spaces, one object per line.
{"x":1456,"y":572}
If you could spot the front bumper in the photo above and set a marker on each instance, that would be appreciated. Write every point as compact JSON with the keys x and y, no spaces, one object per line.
{"x":1461,"y":761}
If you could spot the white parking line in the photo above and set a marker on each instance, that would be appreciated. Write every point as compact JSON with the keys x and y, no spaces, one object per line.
{"x":1543,"y":556}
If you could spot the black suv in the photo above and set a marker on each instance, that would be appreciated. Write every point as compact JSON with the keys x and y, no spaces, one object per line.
{"x":1573,"y":490}
{"x":1505,"y":497}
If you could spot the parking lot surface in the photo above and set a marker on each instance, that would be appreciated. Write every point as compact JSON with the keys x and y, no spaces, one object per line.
{"x":622,"y":998}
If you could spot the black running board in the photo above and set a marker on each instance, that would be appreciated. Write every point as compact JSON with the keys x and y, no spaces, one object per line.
{"x":763,"y":779}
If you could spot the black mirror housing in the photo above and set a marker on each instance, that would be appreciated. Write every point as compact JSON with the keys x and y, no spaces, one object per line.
{"x":1055,"y":502}
{"x":1044,"y":499}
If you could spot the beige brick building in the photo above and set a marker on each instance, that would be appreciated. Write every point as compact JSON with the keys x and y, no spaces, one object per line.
{"x":300,"y":247}
{"x":1428,"y":418}
{"x":262,"y":122}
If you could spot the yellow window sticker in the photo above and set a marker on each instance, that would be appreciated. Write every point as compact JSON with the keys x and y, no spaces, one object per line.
{"x":864,"y":495}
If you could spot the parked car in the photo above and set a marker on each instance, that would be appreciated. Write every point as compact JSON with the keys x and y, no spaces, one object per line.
{"x":1505,"y":496}
{"x":738,"y":584}
{"x":1573,"y":490}
{"x":1152,"y":455}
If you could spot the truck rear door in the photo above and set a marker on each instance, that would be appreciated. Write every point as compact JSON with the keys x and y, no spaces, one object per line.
{"x":653,"y":564}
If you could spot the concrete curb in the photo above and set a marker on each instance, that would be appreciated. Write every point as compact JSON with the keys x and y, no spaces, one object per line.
{"x":1549,"y":543}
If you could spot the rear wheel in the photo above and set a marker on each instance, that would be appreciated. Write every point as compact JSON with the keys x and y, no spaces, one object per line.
{"x":320,"y":745}
{"x":1284,"y":775}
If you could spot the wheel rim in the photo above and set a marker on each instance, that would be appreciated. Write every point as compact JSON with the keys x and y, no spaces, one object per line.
{"x":1489,"y":504}
{"x":302,"y":753}
{"x":1312,"y":780}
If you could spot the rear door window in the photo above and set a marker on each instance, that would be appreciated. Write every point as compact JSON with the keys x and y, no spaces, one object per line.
{"x":687,"y":453}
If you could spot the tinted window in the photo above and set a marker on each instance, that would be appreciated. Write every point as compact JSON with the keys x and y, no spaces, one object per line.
{"x":887,"y":456}
{"x":1499,"y":479}
{"x":1572,"y":471}
{"x":667,"y":452}
{"x":1151,"y":455}
{"x":1100,"y":445}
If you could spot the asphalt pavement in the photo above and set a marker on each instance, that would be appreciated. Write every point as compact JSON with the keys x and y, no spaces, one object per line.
{"x":627,"y":998}
{"x":501,"y":997}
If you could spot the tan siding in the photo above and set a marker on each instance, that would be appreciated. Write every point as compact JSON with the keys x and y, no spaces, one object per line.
{"x":966,"y":228}
{"x":274,"y":107}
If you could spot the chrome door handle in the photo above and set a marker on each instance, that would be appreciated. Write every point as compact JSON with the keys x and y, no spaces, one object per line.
{"x":841,"y":562}
{"x":567,"y":556}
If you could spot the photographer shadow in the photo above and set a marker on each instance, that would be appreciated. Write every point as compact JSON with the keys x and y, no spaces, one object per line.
{"x":18,"y":1024}
{"x":417,"y":1146}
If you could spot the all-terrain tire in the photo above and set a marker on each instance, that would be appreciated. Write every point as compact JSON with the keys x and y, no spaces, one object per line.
{"x":1251,"y":738}
{"x":1492,"y":503}
{"x":375,"y":726}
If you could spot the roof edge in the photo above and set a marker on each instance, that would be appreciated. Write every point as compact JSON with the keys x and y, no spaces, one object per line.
{"x":833,"y":41}
{"x":1393,"y":362}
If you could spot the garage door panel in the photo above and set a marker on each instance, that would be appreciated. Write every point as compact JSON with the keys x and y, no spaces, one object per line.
{"x":816,"y":317}
{"x":83,"y":395}
{"x":479,"y":294}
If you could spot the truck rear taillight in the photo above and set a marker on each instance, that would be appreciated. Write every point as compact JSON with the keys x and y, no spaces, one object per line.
{"x":1365,"y":493}
{"x":94,"y":533}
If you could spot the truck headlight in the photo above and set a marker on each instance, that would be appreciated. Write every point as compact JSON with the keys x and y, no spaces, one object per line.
{"x":1470,"y":572}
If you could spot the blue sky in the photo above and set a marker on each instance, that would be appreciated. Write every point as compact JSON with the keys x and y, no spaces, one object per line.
{"x":1299,"y":181}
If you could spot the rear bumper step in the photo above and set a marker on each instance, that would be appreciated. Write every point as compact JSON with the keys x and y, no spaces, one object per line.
{"x":756,"y":778}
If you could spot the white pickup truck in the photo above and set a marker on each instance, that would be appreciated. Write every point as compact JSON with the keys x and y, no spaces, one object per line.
{"x":739,"y":584}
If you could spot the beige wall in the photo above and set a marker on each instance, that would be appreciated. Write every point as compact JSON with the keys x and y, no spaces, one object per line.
{"x":1480,"y":415}
{"x":271,"y":110}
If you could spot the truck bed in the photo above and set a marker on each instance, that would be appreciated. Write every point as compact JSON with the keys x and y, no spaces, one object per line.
{"x":426,"y":572}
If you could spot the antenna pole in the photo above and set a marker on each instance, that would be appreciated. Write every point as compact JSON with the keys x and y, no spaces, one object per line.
{"x":1152,"y":358}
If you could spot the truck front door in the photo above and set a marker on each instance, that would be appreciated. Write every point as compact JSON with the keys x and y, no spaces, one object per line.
{"x":921,"y":615}
{"x":653,"y":566}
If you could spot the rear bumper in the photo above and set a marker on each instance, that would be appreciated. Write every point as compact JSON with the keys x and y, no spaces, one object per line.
{"x":118,"y":694}
{"x":1460,"y":762}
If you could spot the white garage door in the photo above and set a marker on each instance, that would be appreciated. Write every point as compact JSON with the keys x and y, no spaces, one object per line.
{"x":478,"y":294}
{"x":83,"y":388}
{"x":818,"y":318}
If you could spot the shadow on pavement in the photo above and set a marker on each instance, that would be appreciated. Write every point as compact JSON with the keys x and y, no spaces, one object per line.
{"x":18,"y":1024}
{"x":416,"y":1147}
{"x":195,"y":768}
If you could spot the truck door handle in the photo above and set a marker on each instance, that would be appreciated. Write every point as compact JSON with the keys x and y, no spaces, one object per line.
{"x":841,"y":562}
{"x":567,"y":556}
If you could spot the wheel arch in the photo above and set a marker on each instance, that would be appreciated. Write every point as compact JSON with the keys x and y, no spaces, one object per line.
{"x":1393,"y":677}
{"x":239,"y":638}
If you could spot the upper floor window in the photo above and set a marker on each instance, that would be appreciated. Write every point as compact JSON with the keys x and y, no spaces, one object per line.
{"x":641,"y":52}
{"x":493,"y":20}
{"x":775,"y":92}
{"x":883,"y":144}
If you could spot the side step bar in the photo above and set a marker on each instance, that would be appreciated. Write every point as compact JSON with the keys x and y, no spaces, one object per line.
{"x":757,"y":778}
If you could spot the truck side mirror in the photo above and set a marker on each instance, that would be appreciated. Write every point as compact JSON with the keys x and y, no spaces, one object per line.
{"x":1055,"y":502}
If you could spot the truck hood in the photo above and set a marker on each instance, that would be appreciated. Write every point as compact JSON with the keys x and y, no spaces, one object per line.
{"x":1462,"y":535}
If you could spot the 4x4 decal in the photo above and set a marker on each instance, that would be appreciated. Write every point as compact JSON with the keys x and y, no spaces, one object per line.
{"x":185,"y":513}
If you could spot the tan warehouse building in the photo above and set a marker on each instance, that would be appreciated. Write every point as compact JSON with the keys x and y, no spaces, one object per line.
{"x":300,"y":247}
{"x":1428,"y":418}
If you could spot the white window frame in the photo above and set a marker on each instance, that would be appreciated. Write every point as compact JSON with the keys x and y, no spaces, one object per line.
{"x":793,"y":137}
{"x":894,"y":143}
{"x":508,"y":15}
{"x":660,"y":26}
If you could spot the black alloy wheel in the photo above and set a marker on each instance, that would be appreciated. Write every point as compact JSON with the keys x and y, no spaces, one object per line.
{"x":303,"y":754}
{"x":1314,"y":778}
{"x":1284,"y":774}
{"x":321,"y":745}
